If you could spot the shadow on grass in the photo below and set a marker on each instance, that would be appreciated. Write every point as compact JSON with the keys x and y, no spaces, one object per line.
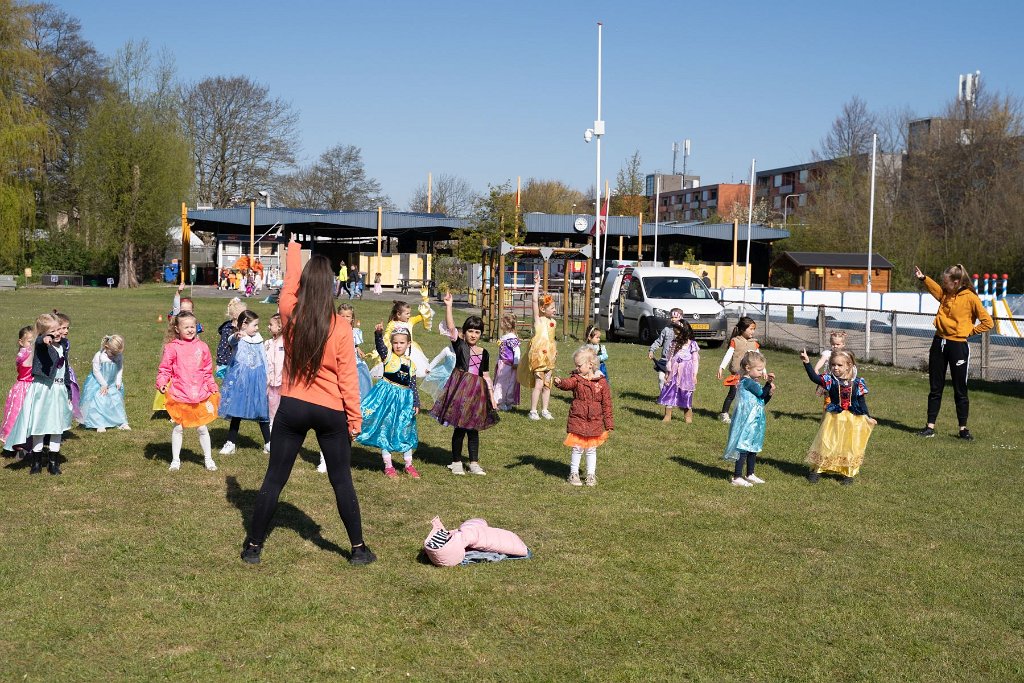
{"x":552,"y":468}
{"x":813,"y":417}
{"x":791,"y":468}
{"x":16,"y":463}
{"x":1011,"y":389}
{"x":286,"y":515}
{"x":703,"y":468}
{"x":899,"y":426}
{"x":647,"y":413}
{"x":638,"y":396}
{"x":369,"y":458}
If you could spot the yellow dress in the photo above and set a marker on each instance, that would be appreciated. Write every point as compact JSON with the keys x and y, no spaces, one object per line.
{"x":840,"y":443}
{"x":419,"y":359}
{"x":541,"y":352}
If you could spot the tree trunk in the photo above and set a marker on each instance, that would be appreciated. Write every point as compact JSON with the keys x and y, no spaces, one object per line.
{"x":126,"y":259}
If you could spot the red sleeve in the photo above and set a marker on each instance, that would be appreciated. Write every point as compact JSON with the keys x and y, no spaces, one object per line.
{"x":163,"y":375}
{"x":606,"y":393}
{"x":348,"y":375}
{"x":567,"y":383}
{"x":290,"y":292}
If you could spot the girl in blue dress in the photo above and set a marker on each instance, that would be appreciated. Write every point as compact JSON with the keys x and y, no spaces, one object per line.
{"x":746,"y":431}
{"x":389,"y":412}
{"x":103,"y":395}
{"x":244,"y":393}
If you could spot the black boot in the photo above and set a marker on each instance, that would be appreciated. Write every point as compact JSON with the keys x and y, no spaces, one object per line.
{"x":53,"y":467}
{"x":37,"y":462}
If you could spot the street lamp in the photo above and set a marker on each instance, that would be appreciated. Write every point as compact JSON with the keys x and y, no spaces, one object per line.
{"x":785,"y":205}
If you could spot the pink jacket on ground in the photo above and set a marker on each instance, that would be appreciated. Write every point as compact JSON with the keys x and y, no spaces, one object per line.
{"x":448,"y":548}
{"x":188,"y":366}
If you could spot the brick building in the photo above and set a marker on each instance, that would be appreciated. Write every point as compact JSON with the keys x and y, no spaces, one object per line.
{"x":698,"y":203}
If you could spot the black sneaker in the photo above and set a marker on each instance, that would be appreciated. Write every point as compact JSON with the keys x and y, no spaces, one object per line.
{"x":926,"y":432}
{"x":361,"y":555}
{"x":251,"y":552}
{"x":814,"y":477}
{"x":846,"y":481}
{"x":965,"y":434}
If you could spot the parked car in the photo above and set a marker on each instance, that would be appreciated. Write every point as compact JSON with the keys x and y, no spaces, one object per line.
{"x":635,"y":303}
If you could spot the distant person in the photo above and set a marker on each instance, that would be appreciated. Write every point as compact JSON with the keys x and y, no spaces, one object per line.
{"x":959,"y":308}
{"x":342,"y":279}
{"x":377,"y":289}
{"x":705,"y":279}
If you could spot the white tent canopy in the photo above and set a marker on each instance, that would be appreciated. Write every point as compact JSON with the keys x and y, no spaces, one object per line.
{"x":175,"y":233}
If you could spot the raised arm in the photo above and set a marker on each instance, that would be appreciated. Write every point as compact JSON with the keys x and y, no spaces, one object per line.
{"x":290,"y":291}
{"x":378,"y":343}
{"x":536,"y":294}
{"x":449,"y":320}
{"x":811,"y":374}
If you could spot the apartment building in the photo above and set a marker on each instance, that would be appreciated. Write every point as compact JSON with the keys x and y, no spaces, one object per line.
{"x":698,"y":203}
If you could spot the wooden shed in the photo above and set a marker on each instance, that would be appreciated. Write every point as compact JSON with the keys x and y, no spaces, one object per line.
{"x":836,"y":272}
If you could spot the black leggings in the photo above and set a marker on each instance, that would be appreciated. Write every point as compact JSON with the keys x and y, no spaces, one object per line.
{"x":750,"y":458}
{"x":729,"y":398}
{"x":236,"y":422}
{"x":474,"y":444}
{"x":956,"y":355}
{"x":294,"y":419}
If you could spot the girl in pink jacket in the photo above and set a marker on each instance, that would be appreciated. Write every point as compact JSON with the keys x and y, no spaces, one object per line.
{"x":186,"y":379}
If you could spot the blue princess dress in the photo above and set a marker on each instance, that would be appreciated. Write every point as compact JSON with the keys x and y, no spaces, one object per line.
{"x":47,"y":406}
{"x":244,"y":393}
{"x":104,"y":410}
{"x":362,"y":369}
{"x":389,"y":420}
{"x":746,"y":432}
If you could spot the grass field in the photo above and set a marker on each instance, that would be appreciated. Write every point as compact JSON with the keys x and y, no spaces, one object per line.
{"x":119,"y":569}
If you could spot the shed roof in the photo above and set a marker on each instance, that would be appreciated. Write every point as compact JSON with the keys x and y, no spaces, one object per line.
{"x":563,"y":224}
{"x":832,"y":259}
{"x":357,"y":222}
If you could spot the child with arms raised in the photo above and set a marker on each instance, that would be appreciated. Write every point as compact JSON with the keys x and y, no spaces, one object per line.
{"x":541,"y":353}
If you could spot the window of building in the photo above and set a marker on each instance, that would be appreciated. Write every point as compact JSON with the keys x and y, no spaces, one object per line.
{"x":803,"y":176}
{"x":703,"y":213}
{"x":802,"y":201}
{"x":687,"y":214}
{"x":714,"y":194}
{"x":704,"y":196}
{"x":777,"y":202}
{"x":778,"y":180}
{"x":856,"y":279}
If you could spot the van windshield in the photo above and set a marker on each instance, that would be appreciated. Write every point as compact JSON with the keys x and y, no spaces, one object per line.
{"x":670,"y":287}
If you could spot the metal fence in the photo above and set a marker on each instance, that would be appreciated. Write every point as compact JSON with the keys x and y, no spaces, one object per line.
{"x":897,"y":338}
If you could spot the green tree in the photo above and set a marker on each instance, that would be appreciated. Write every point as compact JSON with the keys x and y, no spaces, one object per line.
{"x":495,"y":218}
{"x":628,"y":198}
{"x":24,"y":135}
{"x":550,"y":196}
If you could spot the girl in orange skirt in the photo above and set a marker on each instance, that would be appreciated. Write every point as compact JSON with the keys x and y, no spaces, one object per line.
{"x":590,"y":414}
{"x":186,"y":379}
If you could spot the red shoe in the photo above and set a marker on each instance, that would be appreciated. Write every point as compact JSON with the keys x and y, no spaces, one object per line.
{"x":390,"y":473}
{"x":411,"y":471}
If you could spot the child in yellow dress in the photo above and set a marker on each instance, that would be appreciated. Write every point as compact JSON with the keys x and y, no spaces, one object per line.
{"x":541,"y":353}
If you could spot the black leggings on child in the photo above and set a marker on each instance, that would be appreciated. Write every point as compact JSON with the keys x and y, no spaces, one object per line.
{"x":729,"y":399}
{"x":236,"y":422}
{"x":293,"y":420}
{"x":474,"y":444}
{"x":750,"y":458}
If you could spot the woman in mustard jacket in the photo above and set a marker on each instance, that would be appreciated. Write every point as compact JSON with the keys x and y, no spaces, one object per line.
{"x":959,"y":310}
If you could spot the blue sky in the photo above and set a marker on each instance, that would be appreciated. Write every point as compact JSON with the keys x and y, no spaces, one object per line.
{"x":493,"y":90}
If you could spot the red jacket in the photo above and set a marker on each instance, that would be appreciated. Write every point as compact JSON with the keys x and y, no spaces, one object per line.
{"x":590,"y":413}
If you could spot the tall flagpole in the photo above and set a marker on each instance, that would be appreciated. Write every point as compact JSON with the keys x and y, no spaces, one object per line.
{"x":657,"y":210}
{"x":598,"y":132}
{"x":750,"y":220}
{"x":871,"y":235}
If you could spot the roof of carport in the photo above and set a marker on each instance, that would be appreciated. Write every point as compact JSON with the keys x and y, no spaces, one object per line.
{"x":321,"y":220}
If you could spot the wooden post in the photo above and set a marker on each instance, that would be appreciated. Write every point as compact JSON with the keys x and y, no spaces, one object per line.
{"x":565,"y":292}
{"x":588,"y":302}
{"x":501,"y":286}
{"x":186,"y":244}
{"x":893,"y":338}
{"x":640,"y":240}
{"x":380,"y":234}
{"x":252,"y":232}
{"x":621,"y":249}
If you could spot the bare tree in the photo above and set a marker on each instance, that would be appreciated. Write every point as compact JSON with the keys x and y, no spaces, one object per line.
{"x":628,"y":198}
{"x":450,"y":195}
{"x":549,"y":196}
{"x":851,"y":131}
{"x":241,"y":137}
{"x":337,"y":181}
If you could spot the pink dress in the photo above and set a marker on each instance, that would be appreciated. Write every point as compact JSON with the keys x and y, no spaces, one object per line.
{"x":16,"y":396}
{"x":274,"y":349}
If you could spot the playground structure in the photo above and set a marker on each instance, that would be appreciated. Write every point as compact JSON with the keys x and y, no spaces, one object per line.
{"x":993,"y":296}
{"x":499,"y":297}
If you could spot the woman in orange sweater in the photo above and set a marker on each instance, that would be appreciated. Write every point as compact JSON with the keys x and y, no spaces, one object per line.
{"x":959,"y":310}
{"x":319,"y":391}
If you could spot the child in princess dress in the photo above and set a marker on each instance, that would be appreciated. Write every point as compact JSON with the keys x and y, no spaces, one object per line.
{"x":681,"y":378}
{"x":541,"y":353}
{"x":244,"y":394}
{"x":747,"y":426}
{"x":506,"y":386}
{"x":103,"y":395}
{"x":16,"y":396}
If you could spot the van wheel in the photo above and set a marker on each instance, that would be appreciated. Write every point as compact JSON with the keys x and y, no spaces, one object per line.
{"x":646,"y":333}
{"x":715,"y":344}
{"x":610,"y":335}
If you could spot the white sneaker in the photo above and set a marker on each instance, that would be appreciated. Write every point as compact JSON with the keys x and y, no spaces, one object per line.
{"x":228,"y":448}
{"x":754,"y":479}
{"x":534,"y":415}
{"x":457,"y":468}
{"x":125,"y":427}
{"x":724,"y":417}
{"x":574,"y":479}
{"x":266,"y":447}
{"x":740,"y":481}
{"x":547,"y":415}
{"x":322,"y":467}
{"x":211,"y":466}
{"x":475,"y":468}
{"x":175,"y":465}
{"x":591,"y":480}
{"x":100,"y":430}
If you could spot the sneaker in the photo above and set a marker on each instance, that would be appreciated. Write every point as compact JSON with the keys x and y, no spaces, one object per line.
{"x":390,"y":473}
{"x":412,"y":472}
{"x":534,"y":415}
{"x":965,"y":434}
{"x":228,"y":448}
{"x":574,"y":479}
{"x":251,"y":552}
{"x":846,"y":481}
{"x":175,"y":466}
{"x":125,"y":427}
{"x":754,"y":479}
{"x":100,"y":430}
{"x":740,"y":481}
{"x":361,"y":555}
{"x":475,"y":468}
{"x":266,"y":448}
{"x":547,"y":415}
{"x":814,"y":477}
{"x":457,"y":468}
{"x":211,"y":466}
{"x":322,"y":467}
{"x":591,"y":480}
{"x":724,"y":417}
{"x":926,"y":432}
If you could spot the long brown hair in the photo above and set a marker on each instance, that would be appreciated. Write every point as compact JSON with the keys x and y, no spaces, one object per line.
{"x":958,"y":277}
{"x":309,"y":325}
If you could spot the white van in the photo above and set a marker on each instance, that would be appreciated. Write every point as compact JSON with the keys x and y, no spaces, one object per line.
{"x":635,"y":303}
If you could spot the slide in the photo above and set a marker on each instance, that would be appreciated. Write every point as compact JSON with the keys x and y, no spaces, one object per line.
{"x":1009,"y":326}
